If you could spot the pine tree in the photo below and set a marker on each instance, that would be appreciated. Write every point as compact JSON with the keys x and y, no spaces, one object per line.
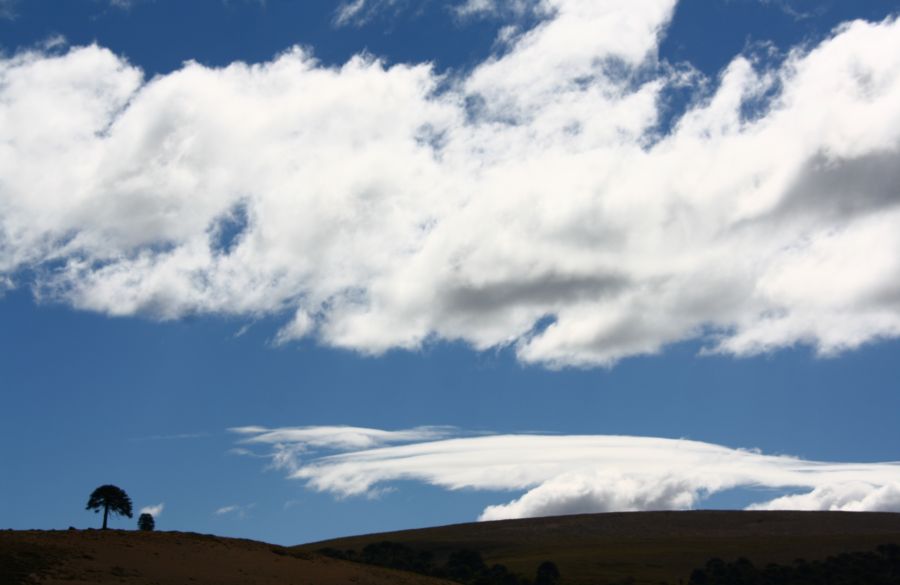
{"x":111,"y":499}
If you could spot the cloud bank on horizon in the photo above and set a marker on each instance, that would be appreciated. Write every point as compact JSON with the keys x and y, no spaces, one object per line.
{"x":540,"y":201}
{"x":573,"y":474}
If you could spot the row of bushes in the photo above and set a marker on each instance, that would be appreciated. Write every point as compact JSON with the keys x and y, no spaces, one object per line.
{"x":881,"y":567}
{"x":463,"y":566}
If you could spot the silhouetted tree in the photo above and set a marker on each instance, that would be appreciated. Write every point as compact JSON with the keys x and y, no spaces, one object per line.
{"x":547,"y":574}
{"x":111,"y":499}
{"x":881,"y":567}
{"x":465,"y":565}
{"x":146,"y":522}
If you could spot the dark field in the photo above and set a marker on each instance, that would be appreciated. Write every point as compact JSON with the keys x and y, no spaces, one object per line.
{"x":89,"y":557}
{"x":649,"y":547}
{"x":639,"y":548}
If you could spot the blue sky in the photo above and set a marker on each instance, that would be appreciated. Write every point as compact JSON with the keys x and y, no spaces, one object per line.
{"x":333,"y":290}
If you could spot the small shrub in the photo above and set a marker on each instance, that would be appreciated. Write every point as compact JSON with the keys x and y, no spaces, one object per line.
{"x":146,"y":522}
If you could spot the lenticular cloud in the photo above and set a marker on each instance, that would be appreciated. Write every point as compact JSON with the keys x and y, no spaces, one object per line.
{"x":559,"y":475}
{"x":383,"y":207}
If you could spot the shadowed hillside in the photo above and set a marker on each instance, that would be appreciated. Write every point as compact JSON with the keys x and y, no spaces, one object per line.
{"x":144,"y":558}
{"x":648,"y":547}
{"x":639,"y":548}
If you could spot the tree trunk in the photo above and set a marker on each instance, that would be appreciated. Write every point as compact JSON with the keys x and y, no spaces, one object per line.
{"x":105,"y":514}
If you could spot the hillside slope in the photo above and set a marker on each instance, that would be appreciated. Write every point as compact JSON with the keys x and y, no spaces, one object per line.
{"x":648,"y":547}
{"x":146,"y":558}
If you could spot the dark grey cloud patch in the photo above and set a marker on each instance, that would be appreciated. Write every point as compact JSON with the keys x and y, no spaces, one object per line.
{"x":839,"y":189}
{"x":540,"y":290}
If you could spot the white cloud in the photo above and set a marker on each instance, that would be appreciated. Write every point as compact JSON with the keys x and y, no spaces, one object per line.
{"x":580,"y":474}
{"x":843,"y":497}
{"x":289,"y":443}
{"x":154,"y":511}
{"x":175,"y":437}
{"x":390,"y":207}
{"x":515,"y":8}
{"x":236,"y":510}
{"x":598,"y":491}
{"x":358,"y":12}
{"x":342,"y":438}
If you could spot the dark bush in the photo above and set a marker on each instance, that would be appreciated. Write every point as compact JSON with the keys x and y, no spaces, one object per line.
{"x":547,"y":574}
{"x":881,"y":567}
{"x":463,"y":566}
{"x":146,"y":522}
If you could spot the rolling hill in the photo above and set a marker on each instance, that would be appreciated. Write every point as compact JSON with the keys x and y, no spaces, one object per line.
{"x":646,"y":547}
{"x":95,"y":557}
{"x":641,"y":548}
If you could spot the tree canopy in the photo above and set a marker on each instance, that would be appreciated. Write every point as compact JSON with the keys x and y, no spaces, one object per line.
{"x":547,"y":574}
{"x":109,"y":498}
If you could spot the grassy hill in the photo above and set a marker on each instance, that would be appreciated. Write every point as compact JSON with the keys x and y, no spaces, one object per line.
{"x":648,"y":547}
{"x":642,"y":548}
{"x":83,"y":557}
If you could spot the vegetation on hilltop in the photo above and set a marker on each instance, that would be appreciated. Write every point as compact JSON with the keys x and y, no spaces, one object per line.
{"x":463,"y":566}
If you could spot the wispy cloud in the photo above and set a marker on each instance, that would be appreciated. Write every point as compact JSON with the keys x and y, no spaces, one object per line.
{"x":536,"y":203}
{"x":359,"y":12}
{"x":8,"y":9}
{"x":798,"y":9}
{"x":289,"y":444}
{"x":505,"y":8}
{"x":235,"y":510}
{"x":174,"y":437}
{"x":154,"y":511}
{"x":340,"y":437}
{"x":562,"y":474}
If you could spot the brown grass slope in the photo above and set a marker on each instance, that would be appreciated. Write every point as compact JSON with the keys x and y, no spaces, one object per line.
{"x":650,"y":547}
{"x":161,"y":558}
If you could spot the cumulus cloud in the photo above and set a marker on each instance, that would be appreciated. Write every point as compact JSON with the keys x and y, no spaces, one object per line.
{"x":845,"y":497}
{"x":154,"y":511}
{"x":541,"y":201}
{"x":597,"y":473}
